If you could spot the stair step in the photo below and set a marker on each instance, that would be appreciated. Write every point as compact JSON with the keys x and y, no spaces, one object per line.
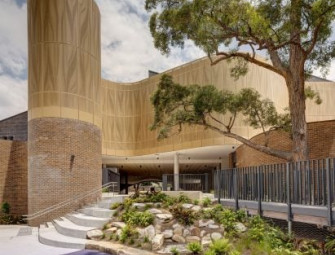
{"x":97,"y":212}
{"x":50,"y":236}
{"x":68,"y":228}
{"x":86,"y":220}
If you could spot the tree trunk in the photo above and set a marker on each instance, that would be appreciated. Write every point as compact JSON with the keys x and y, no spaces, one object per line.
{"x":297,"y":103}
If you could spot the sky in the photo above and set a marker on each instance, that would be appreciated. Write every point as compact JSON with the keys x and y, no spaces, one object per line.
{"x":127,"y":49}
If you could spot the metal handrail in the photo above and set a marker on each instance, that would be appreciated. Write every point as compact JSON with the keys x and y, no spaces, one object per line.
{"x":66,"y":202}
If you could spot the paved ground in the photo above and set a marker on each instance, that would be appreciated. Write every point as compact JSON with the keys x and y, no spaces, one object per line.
{"x":21,"y":239}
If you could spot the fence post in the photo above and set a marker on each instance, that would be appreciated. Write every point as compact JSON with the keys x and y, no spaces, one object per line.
{"x":206,"y":183}
{"x":164,"y":182}
{"x":329,"y":194}
{"x":236,"y":188}
{"x":219,"y":185}
{"x":288,"y":198}
{"x":259,"y":188}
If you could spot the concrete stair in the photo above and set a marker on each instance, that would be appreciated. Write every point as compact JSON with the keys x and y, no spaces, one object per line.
{"x":70,"y":231}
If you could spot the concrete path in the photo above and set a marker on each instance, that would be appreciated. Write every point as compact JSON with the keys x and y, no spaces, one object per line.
{"x":21,"y":239}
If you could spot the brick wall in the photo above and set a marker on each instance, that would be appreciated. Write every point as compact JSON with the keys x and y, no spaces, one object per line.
{"x":14,"y":176}
{"x":64,"y":161}
{"x":321,"y":142}
{"x":15,"y":127}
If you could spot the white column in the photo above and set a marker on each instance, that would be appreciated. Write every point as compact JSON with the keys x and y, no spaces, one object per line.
{"x":176,"y":171}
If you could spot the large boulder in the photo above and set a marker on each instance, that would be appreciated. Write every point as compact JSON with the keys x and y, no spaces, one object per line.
{"x":178,"y":239}
{"x":216,"y":236}
{"x":164,"y":217}
{"x":118,"y":224}
{"x":139,"y":206}
{"x":240,"y":227}
{"x":205,"y":223}
{"x":195,"y":231}
{"x":157,"y":242}
{"x":154,"y":211}
{"x":150,"y":232}
{"x":192,"y":239}
{"x":95,"y":234}
{"x":168,"y":233}
{"x":178,"y":231}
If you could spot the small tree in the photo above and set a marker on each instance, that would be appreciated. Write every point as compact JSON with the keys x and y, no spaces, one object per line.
{"x":295,"y":34}
{"x":176,"y":105}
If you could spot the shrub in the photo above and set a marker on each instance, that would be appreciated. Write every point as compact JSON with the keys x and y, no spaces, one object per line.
{"x":169,"y":201}
{"x":330,"y":245}
{"x":183,"y":215}
{"x":105,"y":189}
{"x":182,"y":198}
{"x":146,"y":239}
{"x":126,"y":233}
{"x":135,"y":218}
{"x":5,"y":208}
{"x":206,"y":202}
{"x":174,"y":251}
{"x":195,"y":248}
{"x":220,"y":247}
{"x":115,"y":206}
{"x":158,"y":197}
{"x":241,"y":215}
{"x":196,"y":202}
{"x":228,"y":219}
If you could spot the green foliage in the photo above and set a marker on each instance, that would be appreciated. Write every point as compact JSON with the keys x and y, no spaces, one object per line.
{"x":206,"y":202}
{"x":136,"y":218}
{"x":115,"y":206}
{"x":5,"y":208}
{"x":105,"y":189}
{"x":228,"y":219}
{"x":127,"y":232}
{"x":169,"y":201}
{"x":196,"y":202}
{"x":174,"y":251}
{"x":241,"y":215}
{"x":146,"y":239}
{"x":182,"y":198}
{"x":183,"y":215}
{"x":330,"y":244}
{"x":220,"y":247}
{"x":195,"y":247}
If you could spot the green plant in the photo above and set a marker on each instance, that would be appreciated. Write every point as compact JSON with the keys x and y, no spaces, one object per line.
{"x":115,"y":206}
{"x":105,"y":189}
{"x":169,"y":201}
{"x":131,"y":241}
{"x":330,"y":244}
{"x":126,"y":233}
{"x":241,"y":215}
{"x":196,"y":202}
{"x":103,"y":236}
{"x":182,"y":198}
{"x":135,"y":218}
{"x":206,"y":202}
{"x":220,"y":247}
{"x":183,"y":215}
{"x":5,"y":208}
{"x":228,"y":219}
{"x":195,"y":247}
{"x":146,"y":239}
{"x":115,"y":214}
{"x":105,"y":226}
{"x":174,"y":251}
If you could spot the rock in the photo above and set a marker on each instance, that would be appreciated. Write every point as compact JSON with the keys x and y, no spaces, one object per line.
{"x":186,"y":233}
{"x":203,"y":223}
{"x":164,"y":217}
{"x":110,"y":230}
{"x":141,"y":232}
{"x":192,"y":239}
{"x":178,"y":231}
{"x":157,"y":242}
{"x":150,"y":232}
{"x":187,"y":206}
{"x":196,"y":208}
{"x":158,"y":228}
{"x":195,"y":231}
{"x":118,"y":224}
{"x":177,"y":225}
{"x":178,"y":238}
{"x":206,"y":241}
{"x":168,"y":233}
{"x":146,"y":246}
{"x":202,"y":233}
{"x":213,"y":226}
{"x":154,"y":211}
{"x":180,"y":247}
{"x":118,"y":232}
{"x":95,"y":234}
{"x":240,"y":227}
{"x":216,"y":236}
{"x":139,"y":206}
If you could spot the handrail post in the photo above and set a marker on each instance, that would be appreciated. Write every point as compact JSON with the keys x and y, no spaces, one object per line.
{"x":259,"y":187}
{"x":329,"y":193}
{"x":236,"y":188}
{"x":164,"y":182}
{"x":219,"y":185}
{"x":288,"y":198}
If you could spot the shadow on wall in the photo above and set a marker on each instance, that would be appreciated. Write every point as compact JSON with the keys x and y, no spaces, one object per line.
{"x":14,"y":176}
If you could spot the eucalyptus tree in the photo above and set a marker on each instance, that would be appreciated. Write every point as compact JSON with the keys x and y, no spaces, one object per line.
{"x":295,"y":35}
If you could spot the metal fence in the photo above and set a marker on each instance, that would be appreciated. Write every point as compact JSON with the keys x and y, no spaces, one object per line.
{"x":198,"y":182}
{"x":306,"y":183}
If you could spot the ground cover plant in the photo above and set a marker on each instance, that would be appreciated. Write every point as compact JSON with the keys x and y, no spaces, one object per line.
{"x":178,"y":225}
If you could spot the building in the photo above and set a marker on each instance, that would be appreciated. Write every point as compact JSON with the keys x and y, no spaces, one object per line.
{"x":78,"y":122}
